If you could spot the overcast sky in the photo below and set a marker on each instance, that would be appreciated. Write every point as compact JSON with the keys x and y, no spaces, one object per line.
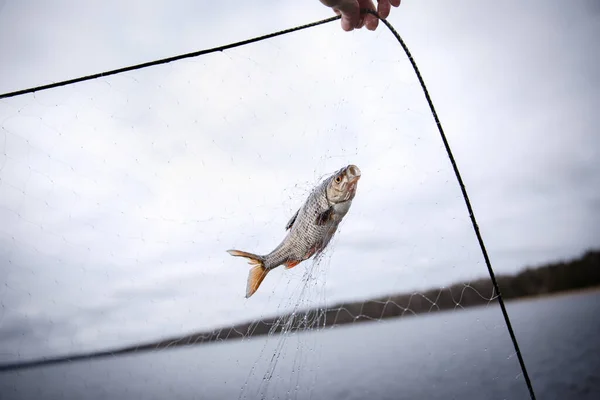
{"x":119,"y":197}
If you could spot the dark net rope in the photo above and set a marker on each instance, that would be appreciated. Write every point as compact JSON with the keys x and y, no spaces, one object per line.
{"x":165,"y":60}
{"x":433,"y":112}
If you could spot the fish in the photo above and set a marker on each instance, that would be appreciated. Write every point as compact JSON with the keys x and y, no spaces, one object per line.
{"x":310,"y":229}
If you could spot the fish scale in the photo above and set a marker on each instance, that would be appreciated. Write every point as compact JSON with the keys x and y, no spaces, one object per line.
{"x":310,"y":229}
{"x":303,"y":233}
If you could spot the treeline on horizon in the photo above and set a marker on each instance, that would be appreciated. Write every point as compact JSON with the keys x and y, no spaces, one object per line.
{"x":580,"y":273}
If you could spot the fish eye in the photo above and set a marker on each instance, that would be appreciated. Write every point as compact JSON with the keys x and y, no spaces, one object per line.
{"x":338,"y":179}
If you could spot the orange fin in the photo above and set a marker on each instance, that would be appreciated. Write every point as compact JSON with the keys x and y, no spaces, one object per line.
{"x":291,"y":264}
{"x":257,"y":272}
{"x":254,"y":259}
{"x":255,"y":278}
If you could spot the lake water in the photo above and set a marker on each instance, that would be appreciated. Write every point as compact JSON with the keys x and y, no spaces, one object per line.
{"x":465,"y":354}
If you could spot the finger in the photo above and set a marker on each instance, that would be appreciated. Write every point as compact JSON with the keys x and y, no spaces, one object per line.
{"x":395,"y":3}
{"x":361,"y":22}
{"x":383,"y":8}
{"x":370,"y":21}
{"x":350,"y":15}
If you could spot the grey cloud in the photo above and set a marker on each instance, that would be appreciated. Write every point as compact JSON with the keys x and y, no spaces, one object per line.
{"x":155,"y":293}
{"x":158,"y":155}
{"x":26,"y":336}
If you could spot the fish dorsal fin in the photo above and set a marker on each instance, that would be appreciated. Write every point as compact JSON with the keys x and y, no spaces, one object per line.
{"x":324,"y":217}
{"x":292,"y":220}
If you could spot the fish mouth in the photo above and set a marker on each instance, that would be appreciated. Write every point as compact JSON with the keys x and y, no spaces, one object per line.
{"x":353,"y":173}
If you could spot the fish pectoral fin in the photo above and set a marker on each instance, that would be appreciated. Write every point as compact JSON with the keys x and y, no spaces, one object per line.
{"x":291,"y":264}
{"x":292,"y":220}
{"x":324,"y":217}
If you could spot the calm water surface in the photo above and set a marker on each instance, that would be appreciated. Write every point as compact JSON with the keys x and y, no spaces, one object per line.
{"x":466,"y":354}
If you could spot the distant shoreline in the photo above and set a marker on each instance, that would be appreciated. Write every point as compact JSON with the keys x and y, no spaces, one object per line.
{"x":567,"y":292}
{"x":558,"y":279}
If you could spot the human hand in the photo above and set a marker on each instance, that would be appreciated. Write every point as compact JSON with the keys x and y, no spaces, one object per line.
{"x":351,"y":16}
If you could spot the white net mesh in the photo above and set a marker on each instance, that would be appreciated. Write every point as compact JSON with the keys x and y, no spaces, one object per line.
{"x":120,"y":196}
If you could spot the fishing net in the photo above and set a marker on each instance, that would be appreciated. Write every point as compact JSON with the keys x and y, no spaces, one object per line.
{"x":120,"y":196}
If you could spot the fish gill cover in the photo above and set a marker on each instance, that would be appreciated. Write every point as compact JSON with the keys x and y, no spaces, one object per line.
{"x":120,"y":196}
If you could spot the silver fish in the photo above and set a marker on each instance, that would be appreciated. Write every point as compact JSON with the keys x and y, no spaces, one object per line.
{"x":310,"y":229}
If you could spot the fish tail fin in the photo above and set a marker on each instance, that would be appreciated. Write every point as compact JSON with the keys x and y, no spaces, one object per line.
{"x":257,"y":272}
